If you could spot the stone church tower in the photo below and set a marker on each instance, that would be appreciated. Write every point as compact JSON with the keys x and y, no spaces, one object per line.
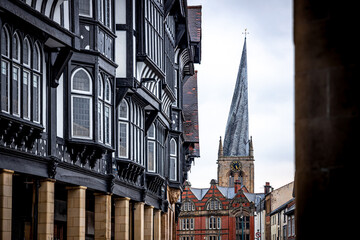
{"x":236,"y":155}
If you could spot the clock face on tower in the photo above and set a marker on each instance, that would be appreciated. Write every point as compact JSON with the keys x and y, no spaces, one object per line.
{"x":235,"y":166}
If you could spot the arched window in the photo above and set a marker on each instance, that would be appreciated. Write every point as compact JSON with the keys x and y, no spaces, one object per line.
{"x":188,"y":206}
{"x":5,"y":75}
{"x":173,"y":160}
{"x":36,"y":82}
{"x":214,"y":204}
{"x":123,"y":129}
{"x":107,"y":111}
{"x":16,"y":53}
{"x":81,"y":104}
{"x":100,"y":107}
{"x":151,"y":149}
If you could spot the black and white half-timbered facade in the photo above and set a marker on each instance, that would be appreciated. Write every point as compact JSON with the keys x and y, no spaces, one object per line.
{"x":96,"y":132}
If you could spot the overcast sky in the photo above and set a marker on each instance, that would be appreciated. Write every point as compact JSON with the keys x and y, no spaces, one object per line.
{"x":270,"y":58}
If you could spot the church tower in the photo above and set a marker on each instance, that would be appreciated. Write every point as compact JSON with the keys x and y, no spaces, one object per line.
{"x":236,"y":155}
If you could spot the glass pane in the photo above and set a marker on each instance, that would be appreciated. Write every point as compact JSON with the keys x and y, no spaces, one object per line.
{"x":151,"y":132}
{"x":85,"y":7}
{"x":123,"y":110}
{"x":107,"y":91}
{"x":81,"y":117}
{"x":5,"y":86}
{"x":81,"y":81}
{"x":26,"y":52}
{"x":100,"y":88}
{"x":15,"y":91}
{"x":25,"y":96}
{"x":16,"y":48}
{"x":4,"y":43}
{"x":107,"y":125}
{"x":172,"y":168}
{"x":151,"y":156}
{"x":123,"y":139}
{"x":173,"y":147}
{"x":100,"y":128}
{"x":36,"y":96}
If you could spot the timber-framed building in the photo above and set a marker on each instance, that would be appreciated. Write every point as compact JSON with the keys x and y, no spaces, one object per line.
{"x":92,"y":141}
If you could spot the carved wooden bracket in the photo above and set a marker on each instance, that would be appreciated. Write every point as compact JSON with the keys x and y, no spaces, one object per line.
{"x":86,"y":152}
{"x":19,"y":132}
{"x":129,"y":171}
{"x":154,"y":182}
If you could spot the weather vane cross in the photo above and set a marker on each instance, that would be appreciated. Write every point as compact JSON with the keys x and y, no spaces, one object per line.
{"x":246,"y":32}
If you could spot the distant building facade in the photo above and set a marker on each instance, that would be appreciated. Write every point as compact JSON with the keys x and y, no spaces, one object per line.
{"x":225,"y":211}
{"x":274,"y":215}
{"x":92,"y":131}
{"x":217,"y":213}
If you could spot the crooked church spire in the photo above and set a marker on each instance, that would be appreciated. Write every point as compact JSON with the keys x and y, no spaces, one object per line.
{"x":236,"y":140}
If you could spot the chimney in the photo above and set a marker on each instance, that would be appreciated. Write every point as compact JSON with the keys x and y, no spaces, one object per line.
{"x":237,"y":186}
{"x":267,"y":188}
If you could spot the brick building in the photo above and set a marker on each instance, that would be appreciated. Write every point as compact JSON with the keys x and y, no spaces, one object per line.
{"x":217,"y":213}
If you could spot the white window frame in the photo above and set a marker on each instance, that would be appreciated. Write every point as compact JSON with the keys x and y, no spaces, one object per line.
{"x":87,"y":95}
{"x":174,"y":157}
{"x":107,"y":104}
{"x":100,"y":110}
{"x":90,"y":82}
{"x":90,"y":117}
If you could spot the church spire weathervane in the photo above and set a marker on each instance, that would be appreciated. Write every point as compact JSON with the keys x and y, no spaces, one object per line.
{"x":246,"y":32}
{"x":236,"y":140}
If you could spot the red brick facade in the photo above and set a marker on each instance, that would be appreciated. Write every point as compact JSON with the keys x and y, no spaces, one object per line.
{"x":215,"y":214}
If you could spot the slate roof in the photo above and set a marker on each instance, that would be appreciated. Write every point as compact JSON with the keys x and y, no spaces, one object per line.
{"x":190,"y":111}
{"x":199,"y":192}
{"x":194,"y":22}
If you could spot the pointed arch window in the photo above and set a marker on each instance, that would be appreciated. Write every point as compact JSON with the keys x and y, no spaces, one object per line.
{"x":36,"y":83}
{"x":81,"y":104}
{"x":15,"y":99}
{"x":5,"y":75}
{"x":107,"y":111}
{"x":21,"y":76}
{"x":173,"y":160}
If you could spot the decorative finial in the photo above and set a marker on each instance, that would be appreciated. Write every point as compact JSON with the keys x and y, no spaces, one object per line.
{"x":246,"y":32}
